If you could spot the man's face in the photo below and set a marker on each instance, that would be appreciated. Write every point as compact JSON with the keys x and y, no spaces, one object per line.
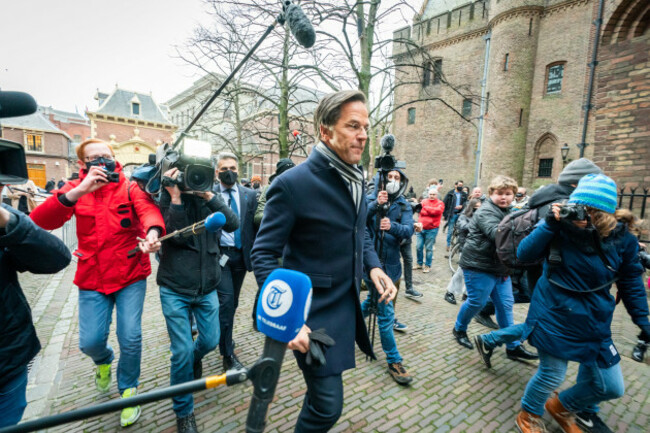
{"x":394,"y":175}
{"x":521,"y":193}
{"x":95,"y":151}
{"x":347,"y":138}
{"x":227,"y":164}
{"x":502,"y":197}
{"x":433,"y":194}
{"x":477,"y":193}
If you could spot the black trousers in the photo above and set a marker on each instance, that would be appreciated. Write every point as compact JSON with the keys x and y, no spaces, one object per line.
{"x":407,"y":256}
{"x":323,"y":404}
{"x":232,"y":278}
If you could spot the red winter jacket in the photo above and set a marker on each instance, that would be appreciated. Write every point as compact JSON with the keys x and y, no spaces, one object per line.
{"x":431,"y":213}
{"x":108,"y":222}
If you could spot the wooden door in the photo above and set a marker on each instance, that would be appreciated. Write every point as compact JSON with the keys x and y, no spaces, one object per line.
{"x":36,"y":173}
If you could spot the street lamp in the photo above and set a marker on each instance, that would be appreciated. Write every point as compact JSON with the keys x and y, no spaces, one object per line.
{"x":565,"y":152}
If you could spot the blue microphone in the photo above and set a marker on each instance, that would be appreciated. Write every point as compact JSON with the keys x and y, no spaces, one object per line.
{"x":215,"y":221}
{"x":282,"y":309}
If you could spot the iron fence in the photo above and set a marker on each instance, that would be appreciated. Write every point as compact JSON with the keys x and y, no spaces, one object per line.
{"x":69,"y":234}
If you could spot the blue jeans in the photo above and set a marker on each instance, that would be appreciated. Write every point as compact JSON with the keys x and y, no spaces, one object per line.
{"x":426,"y":239}
{"x":176,"y":309}
{"x":593,"y":386}
{"x":95,"y":311}
{"x":481,"y":286}
{"x":503,"y":336}
{"x":450,"y":227}
{"x":13,"y":399}
{"x":385,"y":321}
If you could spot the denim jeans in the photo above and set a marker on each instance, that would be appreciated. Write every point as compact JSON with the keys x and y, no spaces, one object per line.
{"x":95,"y":311}
{"x":426,"y":239}
{"x":176,"y":309}
{"x":481,"y":286}
{"x":503,"y":336}
{"x":406,"y":250}
{"x":13,"y":399}
{"x":450,"y":227}
{"x":385,"y":321}
{"x":593,"y":385}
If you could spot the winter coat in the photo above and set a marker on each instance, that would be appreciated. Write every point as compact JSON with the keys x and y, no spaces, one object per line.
{"x":567,"y":317}
{"x":23,"y":247}
{"x":450,"y":203}
{"x":479,"y":252}
{"x":431,"y":213}
{"x":108,"y":222}
{"x":400,"y":214}
{"x":190,"y":265}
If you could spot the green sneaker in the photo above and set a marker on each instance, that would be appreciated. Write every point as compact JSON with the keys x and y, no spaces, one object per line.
{"x":103,"y":377}
{"x":130,"y":414}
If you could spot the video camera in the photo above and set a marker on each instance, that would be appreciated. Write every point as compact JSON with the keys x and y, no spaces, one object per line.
{"x":193,"y":158}
{"x":13,"y":166}
{"x":387,"y":162}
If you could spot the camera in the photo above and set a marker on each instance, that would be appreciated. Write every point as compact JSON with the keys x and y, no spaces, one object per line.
{"x":193,"y":158}
{"x":644,"y":257}
{"x":573,"y":212}
{"x":387,"y":162}
{"x":112,"y":176}
{"x":13,"y":168}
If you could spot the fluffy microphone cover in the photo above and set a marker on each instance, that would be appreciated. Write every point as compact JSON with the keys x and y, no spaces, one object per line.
{"x":300,"y":26}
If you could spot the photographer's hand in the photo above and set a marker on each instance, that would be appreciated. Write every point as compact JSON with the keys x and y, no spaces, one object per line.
{"x":384,"y":285}
{"x":95,"y":179}
{"x":205,"y":195}
{"x":382,"y":197}
{"x":174,"y":191}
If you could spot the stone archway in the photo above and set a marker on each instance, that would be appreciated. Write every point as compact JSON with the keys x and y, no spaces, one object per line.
{"x":134,"y":151}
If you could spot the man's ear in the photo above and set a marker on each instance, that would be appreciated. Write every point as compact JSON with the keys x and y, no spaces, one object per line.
{"x":325,"y":133}
{"x":81,"y":164}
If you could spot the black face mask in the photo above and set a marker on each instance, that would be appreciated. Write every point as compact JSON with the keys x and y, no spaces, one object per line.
{"x":228,"y":177}
{"x":256,"y":185}
{"x":459,"y":188}
{"x":108,"y":165}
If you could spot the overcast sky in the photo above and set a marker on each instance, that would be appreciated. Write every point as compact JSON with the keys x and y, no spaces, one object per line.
{"x":62,"y":51}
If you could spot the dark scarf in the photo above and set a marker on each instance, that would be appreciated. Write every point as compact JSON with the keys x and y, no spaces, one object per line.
{"x":352,"y":175}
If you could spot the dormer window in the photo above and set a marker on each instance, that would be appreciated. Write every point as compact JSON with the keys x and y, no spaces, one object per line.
{"x":135,"y":108}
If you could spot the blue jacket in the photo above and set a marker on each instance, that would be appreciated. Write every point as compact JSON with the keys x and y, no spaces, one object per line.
{"x":23,"y":247}
{"x":311,"y":222}
{"x":400,"y":214}
{"x":567,"y":317}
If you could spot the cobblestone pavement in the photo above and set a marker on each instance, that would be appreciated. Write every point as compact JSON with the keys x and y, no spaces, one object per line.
{"x":452,"y":391}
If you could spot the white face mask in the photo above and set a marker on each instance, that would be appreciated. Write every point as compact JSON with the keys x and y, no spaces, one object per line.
{"x":392,"y":187}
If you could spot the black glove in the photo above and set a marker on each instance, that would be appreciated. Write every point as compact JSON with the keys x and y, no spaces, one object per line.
{"x":551,"y":222}
{"x":319,"y":341}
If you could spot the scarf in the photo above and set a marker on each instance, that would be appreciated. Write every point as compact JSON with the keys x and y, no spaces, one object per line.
{"x":352,"y":175}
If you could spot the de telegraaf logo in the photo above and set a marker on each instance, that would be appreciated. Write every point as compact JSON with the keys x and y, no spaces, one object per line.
{"x":277,"y":298}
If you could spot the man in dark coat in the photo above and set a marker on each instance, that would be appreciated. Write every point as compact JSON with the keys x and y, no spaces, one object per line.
{"x":454,"y":205}
{"x":315,"y":221}
{"x":23,"y":247}
{"x":236,"y":246}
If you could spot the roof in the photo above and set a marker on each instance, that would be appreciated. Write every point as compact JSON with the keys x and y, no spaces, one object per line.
{"x":64,"y":116}
{"x":432,"y":8}
{"x":36,"y":121}
{"x":118,"y":104}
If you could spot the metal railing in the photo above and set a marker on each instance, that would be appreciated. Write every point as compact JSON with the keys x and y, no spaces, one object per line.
{"x":69,"y":234}
{"x":635,"y":199}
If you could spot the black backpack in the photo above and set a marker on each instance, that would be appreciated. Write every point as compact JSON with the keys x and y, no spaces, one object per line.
{"x":511,"y":231}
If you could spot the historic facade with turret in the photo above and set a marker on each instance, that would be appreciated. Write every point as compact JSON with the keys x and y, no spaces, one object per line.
{"x":502,"y":85}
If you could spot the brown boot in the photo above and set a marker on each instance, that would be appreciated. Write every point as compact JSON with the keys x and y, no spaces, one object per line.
{"x":563,"y":417}
{"x":529,"y":423}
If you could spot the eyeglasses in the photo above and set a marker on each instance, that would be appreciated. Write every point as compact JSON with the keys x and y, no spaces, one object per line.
{"x":356,"y":127}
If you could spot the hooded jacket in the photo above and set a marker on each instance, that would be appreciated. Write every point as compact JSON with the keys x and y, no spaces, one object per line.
{"x":401,"y":226}
{"x":108,"y":222}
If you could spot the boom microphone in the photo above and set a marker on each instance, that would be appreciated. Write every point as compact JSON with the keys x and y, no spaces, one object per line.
{"x":14,"y":104}
{"x":282,"y":310}
{"x":300,"y":25}
{"x":388,"y":143}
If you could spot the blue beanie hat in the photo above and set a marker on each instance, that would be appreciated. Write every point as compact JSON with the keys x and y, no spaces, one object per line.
{"x":597,"y":191}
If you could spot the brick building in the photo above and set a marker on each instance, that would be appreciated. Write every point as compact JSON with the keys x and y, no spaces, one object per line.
{"x":48,"y":150}
{"x":518,"y":73}
{"x":133,"y":123}
{"x":248,"y":117}
{"x":76,"y":125}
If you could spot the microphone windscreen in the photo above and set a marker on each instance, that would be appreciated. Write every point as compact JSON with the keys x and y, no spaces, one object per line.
{"x":14,"y":104}
{"x":388,"y":142}
{"x":215,"y":221}
{"x":283,"y":305}
{"x":300,"y":26}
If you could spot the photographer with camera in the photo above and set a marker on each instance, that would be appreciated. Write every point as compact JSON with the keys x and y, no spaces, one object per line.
{"x":390,"y":221}
{"x":188,"y":276}
{"x":111,"y":214}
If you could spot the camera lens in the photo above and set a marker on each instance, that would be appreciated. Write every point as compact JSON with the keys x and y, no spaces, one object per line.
{"x":199,"y":177}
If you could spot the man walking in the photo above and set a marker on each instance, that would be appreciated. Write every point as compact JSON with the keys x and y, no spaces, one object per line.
{"x":454,"y":203}
{"x":315,"y":221}
{"x":236,"y":246}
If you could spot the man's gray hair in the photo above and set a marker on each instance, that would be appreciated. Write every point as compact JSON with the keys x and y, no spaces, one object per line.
{"x":329,"y":108}
{"x":227,"y":155}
